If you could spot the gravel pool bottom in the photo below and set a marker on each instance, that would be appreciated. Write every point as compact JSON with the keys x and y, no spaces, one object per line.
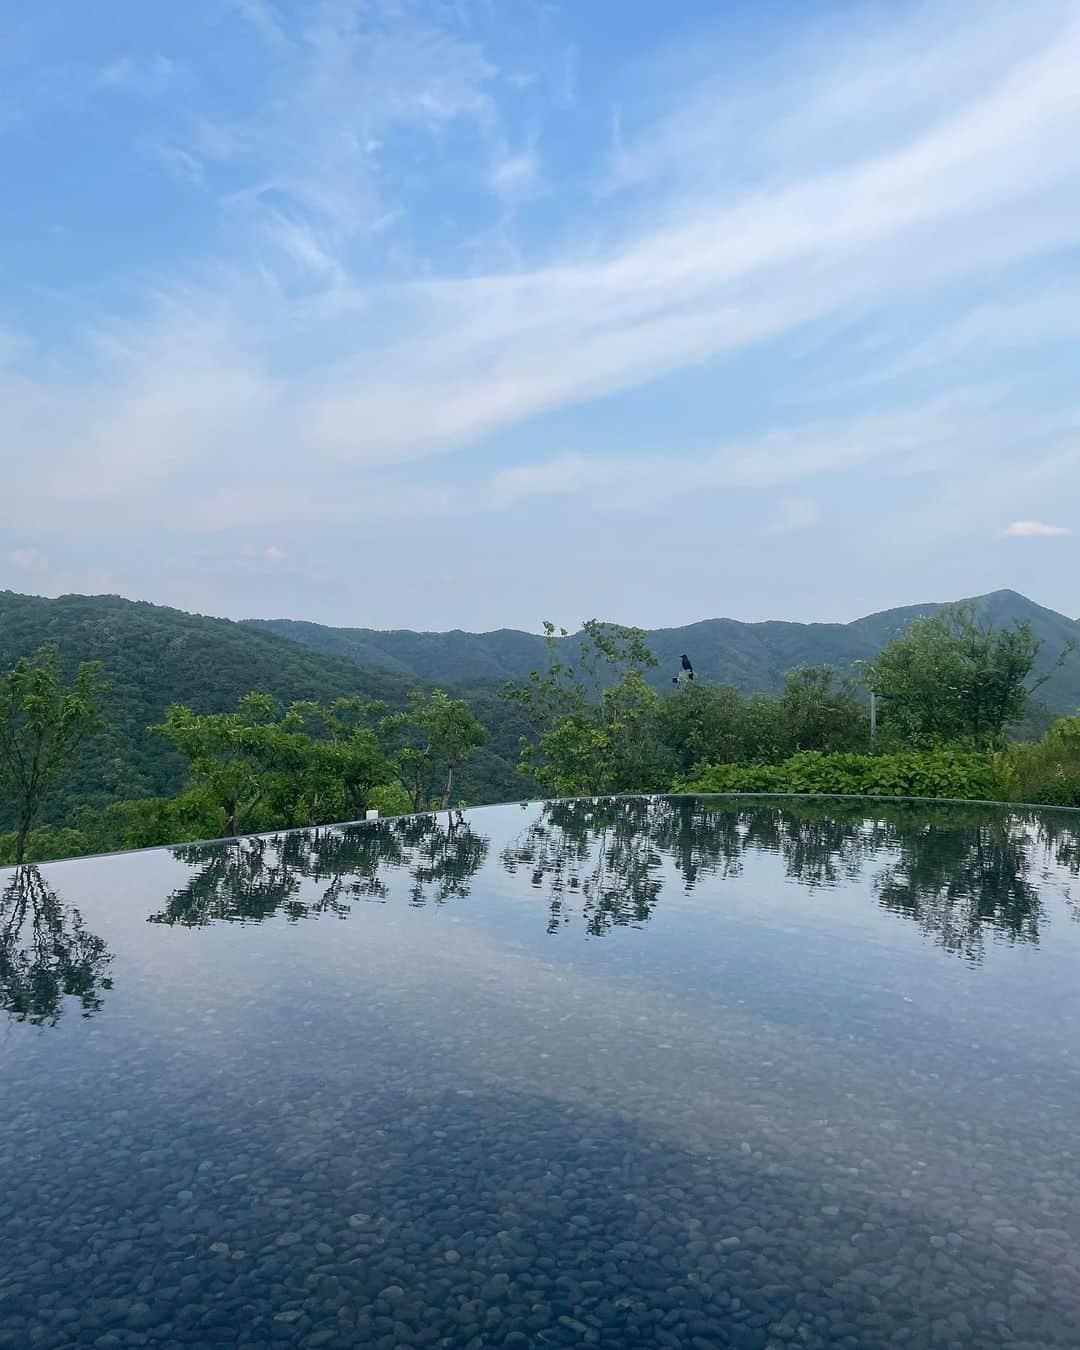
{"x":686,"y":1072}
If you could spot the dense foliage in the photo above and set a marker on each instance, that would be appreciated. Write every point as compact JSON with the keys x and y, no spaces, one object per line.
{"x":592,"y":723}
{"x":44,"y":724}
{"x":950,"y":677}
{"x":600,"y":727}
{"x":929,"y":773}
{"x":1049,"y":771}
{"x":262,"y":767}
{"x":152,"y":657}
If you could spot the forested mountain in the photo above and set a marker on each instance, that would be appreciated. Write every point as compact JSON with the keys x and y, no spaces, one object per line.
{"x":752,"y":656}
{"x":152,"y":656}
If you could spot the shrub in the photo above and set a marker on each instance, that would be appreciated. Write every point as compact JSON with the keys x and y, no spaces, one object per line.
{"x":934,"y":773}
{"x":1048,"y":772}
{"x":390,"y":800}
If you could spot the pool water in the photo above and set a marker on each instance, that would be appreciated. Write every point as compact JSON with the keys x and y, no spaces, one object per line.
{"x":632,"y":1072}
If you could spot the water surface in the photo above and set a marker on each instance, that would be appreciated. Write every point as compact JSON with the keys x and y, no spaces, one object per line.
{"x":671,"y":1072}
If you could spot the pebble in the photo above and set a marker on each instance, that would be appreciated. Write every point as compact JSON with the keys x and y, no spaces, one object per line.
{"x":715,"y":1151}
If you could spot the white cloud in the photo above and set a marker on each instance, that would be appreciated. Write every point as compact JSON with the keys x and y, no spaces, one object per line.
{"x":992,"y":184}
{"x":1033,"y":318}
{"x":274,"y":553}
{"x":515,"y":178}
{"x":354,"y":70}
{"x":293,"y":362}
{"x":935,"y":435}
{"x":1027,"y":529}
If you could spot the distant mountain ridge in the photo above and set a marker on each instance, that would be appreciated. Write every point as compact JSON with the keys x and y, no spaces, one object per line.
{"x":153,"y":655}
{"x":752,"y":656}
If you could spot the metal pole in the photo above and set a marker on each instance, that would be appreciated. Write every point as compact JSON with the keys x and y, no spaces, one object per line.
{"x":873,"y":716}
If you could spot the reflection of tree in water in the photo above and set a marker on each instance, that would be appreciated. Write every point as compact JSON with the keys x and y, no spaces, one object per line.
{"x":305,"y":873}
{"x":444,"y":860}
{"x":959,"y":871}
{"x":46,"y":952}
{"x":602,"y":850}
{"x":958,"y":883}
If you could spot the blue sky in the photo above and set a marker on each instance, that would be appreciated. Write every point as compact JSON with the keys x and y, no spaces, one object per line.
{"x":462,"y":313}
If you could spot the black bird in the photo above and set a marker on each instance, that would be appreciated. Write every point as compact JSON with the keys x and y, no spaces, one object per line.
{"x":687,"y":666}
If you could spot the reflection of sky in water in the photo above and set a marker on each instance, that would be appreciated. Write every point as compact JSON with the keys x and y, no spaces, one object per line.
{"x":851,"y":1039}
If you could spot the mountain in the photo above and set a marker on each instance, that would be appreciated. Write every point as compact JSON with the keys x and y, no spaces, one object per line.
{"x":152,"y":656}
{"x":752,"y":656}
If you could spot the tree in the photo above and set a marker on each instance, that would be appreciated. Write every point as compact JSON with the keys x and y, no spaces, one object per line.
{"x":816,"y":714}
{"x":1049,"y":770}
{"x":357,"y":733}
{"x":949,"y":677}
{"x":585,"y":713}
{"x":214,"y":746}
{"x":44,"y":724}
{"x":703,"y":724}
{"x":267,"y":768}
{"x":607,"y":747}
{"x":442,"y":732}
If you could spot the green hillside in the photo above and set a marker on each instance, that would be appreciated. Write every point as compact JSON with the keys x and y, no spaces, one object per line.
{"x":752,"y":656}
{"x":152,"y":656}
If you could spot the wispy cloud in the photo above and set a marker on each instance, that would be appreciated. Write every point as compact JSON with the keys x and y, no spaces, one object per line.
{"x":1033,"y":529}
{"x":337,"y":327}
{"x":991,"y":184}
{"x":515,"y":177}
{"x":932,"y":437}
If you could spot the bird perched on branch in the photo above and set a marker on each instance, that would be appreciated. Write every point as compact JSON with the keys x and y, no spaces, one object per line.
{"x":687,"y":672}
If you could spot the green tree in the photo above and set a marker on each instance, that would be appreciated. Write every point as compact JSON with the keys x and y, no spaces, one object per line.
{"x":606,"y":747}
{"x":357,"y":733}
{"x":950,"y":677}
{"x":44,"y":724}
{"x":218,"y":754}
{"x":441,"y":733}
{"x":703,"y":723}
{"x":817,"y":714}
{"x":1049,"y":770}
{"x":268,"y":768}
{"x":585,"y":712}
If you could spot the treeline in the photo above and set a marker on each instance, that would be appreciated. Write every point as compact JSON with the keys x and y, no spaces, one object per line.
{"x":152,"y":657}
{"x":945,"y":692}
{"x":260,"y":767}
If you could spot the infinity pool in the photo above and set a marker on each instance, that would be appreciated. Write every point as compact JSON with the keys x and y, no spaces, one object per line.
{"x":636,"y":1072}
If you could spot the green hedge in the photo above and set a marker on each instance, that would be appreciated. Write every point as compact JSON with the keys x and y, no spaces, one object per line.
{"x":934,"y":773}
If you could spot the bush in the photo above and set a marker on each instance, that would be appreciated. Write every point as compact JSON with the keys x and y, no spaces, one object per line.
{"x":45,"y":843}
{"x":390,"y":800}
{"x":934,"y":773}
{"x":1048,"y":772}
